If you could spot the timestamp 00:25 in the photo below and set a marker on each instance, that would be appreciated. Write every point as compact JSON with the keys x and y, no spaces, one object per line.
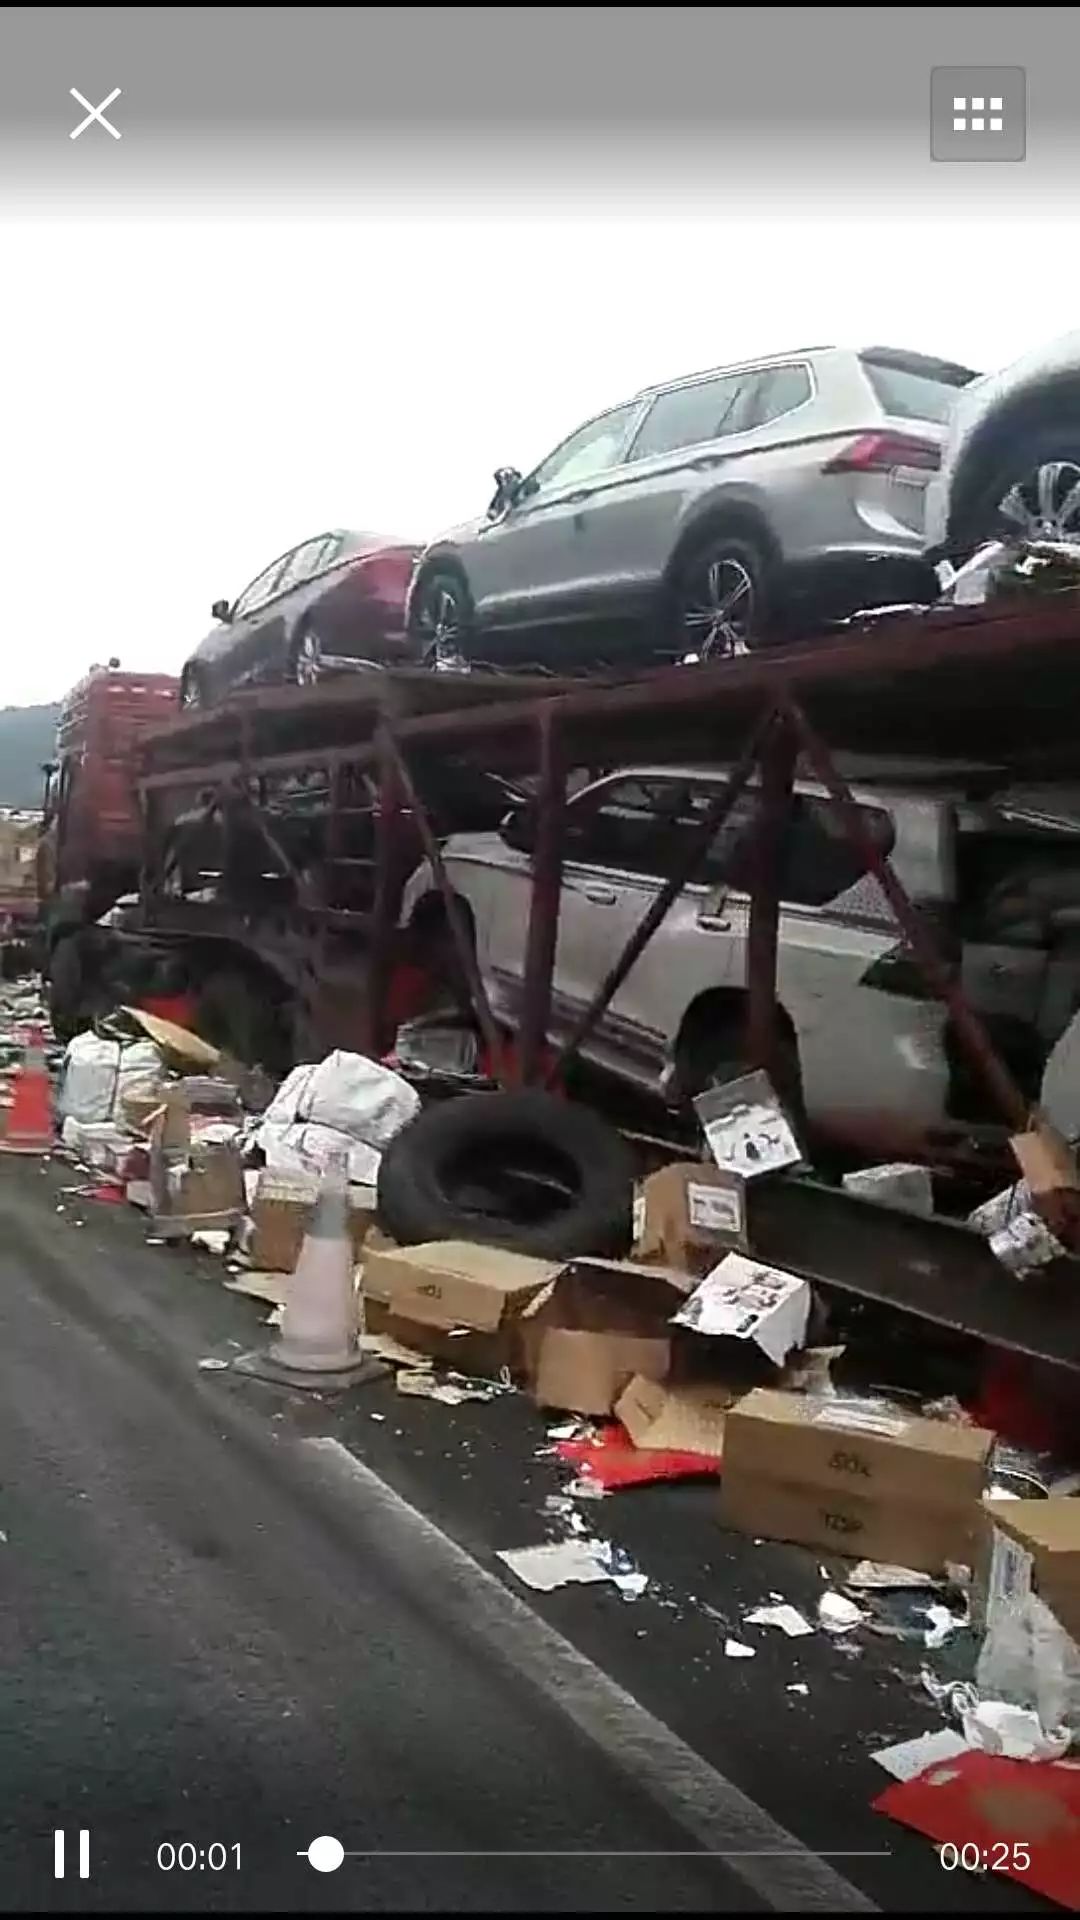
{"x":216,"y":1858}
{"x":1012,"y":1856}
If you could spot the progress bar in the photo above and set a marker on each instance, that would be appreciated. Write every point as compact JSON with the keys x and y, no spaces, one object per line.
{"x":327,"y":1854}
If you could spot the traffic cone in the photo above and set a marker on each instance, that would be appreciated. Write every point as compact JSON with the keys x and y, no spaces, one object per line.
{"x":317,"y":1347}
{"x":30,"y":1116}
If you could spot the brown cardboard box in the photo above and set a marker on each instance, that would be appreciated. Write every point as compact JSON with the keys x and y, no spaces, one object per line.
{"x":195,"y":1183}
{"x":1049,"y":1532}
{"x":281,"y":1213}
{"x":880,"y":1485}
{"x":460,"y":1302}
{"x":685,"y":1419}
{"x":688,"y":1215}
{"x":598,"y":1324}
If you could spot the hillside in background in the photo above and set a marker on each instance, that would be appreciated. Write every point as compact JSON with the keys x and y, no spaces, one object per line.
{"x":27,"y":737}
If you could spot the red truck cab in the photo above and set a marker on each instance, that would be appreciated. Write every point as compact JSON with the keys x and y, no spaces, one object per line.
{"x":91,"y":843}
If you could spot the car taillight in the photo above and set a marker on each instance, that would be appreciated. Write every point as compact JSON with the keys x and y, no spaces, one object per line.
{"x":883,"y":452}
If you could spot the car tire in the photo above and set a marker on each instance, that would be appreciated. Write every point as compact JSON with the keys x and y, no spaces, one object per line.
{"x":722,"y":599}
{"x":441,"y":621}
{"x":521,"y":1170}
{"x":1031,"y":455}
{"x":194,"y":693}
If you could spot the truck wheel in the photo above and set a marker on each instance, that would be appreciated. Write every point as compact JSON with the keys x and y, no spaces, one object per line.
{"x":712,"y":1049}
{"x":520,"y":1170}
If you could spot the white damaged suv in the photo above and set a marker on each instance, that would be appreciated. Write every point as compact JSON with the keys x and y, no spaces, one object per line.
{"x":869,"y":1036}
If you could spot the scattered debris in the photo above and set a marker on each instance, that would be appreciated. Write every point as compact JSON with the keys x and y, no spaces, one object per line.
{"x":735,"y":1650}
{"x":993,"y":1726}
{"x":786,"y":1617}
{"x":212,"y":1365}
{"x":563,"y":1563}
{"x":869,"y":1576}
{"x":837,"y":1614}
{"x":797,"y":1686}
{"x":908,"y":1758}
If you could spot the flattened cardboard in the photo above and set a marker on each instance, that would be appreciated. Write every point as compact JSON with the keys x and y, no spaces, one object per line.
{"x":839,"y":1475}
{"x":687,"y":1215}
{"x":683,"y":1419}
{"x":594,"y":1327}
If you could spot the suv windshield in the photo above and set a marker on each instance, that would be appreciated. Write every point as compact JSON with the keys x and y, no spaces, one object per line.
{"x":909,"y":387}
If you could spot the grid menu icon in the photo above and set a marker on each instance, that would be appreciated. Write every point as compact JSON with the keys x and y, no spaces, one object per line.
{"x":978,"y":113}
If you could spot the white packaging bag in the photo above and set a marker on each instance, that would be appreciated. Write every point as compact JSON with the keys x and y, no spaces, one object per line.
{"x":98,"y":1071}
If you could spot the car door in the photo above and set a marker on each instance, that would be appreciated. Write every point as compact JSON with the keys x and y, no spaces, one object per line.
{"x":251,"y":616}
{"x":531,"y":562}
{"x":278,"y":617}
{"x":686,"y":435}
{"x":865,"y":1045}
{"x":622,"y":835}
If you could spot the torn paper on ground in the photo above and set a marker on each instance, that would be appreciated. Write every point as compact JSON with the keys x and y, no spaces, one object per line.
{"x":876,"y":1575}
{"x":735,"y":1650}
{"x":787,"y":1618}
{"x":908,"y":1758}
{"x":837,"y":1614}
{"x":742,"y":1299}
{"x":1016,"y":1733}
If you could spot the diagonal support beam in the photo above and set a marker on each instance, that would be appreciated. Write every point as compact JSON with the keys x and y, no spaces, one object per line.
{"x":973,"y":1036}
{"x":681,"y":875}
{"x":544,"y":903}
{"x":454,"y":918}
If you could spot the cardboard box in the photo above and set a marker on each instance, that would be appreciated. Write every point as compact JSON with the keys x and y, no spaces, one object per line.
{"x":460,"y":1302}
{"x":1045,"y":1537}
{"x":281,"y":1214}
{"x":196,"y":1184}
{"x":854,"y":1478}
{"x":596,"y":1325}
{"x":682,"y":1419}
{"x":1048,"y":1165}
{"x":687,"y":1215}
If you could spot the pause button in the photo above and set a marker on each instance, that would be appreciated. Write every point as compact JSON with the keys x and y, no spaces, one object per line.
{"x":60,"y":1853}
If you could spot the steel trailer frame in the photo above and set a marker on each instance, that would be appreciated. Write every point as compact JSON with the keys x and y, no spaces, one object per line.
{"x":891,"y":686}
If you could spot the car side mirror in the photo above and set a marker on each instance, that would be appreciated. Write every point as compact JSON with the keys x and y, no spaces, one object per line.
{"x":508,"y":485}
{"x":519,"y":828}
{"x":221,"y":610}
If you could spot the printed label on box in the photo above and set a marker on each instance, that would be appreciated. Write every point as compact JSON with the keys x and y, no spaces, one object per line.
{"x":1009,"y":1578}
{"x":850,"y":1417}
{"x":716,"y":1209}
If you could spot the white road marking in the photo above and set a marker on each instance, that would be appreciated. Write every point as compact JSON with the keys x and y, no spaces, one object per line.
{"x":721,"y":1818}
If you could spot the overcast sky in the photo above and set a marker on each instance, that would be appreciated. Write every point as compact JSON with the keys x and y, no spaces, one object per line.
{"x":194,"y":381}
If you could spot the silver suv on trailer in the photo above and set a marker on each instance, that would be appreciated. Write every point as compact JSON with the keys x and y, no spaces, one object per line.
{"x":701,"y":518}
{"x":1001,"y":881}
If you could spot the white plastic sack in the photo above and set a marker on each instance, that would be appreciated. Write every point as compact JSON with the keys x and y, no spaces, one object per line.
{"x":98,"y":1071}
{"x":345,"y":1101}
{"x":1028,"y":1661}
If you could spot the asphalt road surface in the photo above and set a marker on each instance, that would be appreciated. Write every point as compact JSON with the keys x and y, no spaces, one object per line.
{"x":224,"y":1629}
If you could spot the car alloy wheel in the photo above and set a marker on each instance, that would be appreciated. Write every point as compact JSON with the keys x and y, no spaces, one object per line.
{"x":1045,"y":504}
{"x":719,"y":609}
{"x":442,"y":624}
{"x":308,"y":660}
{"x":191,"y":693}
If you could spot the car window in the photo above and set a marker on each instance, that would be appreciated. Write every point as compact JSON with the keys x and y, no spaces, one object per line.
{"x":688,"y":416}
{"x":301,"y":564}
{"x":592,"y":450}
{"x":261,"y":588}
{"x":777,"y":391}
{"x":914,"y":388}
{"x":819,"y":861}
{"x":625,"y":825}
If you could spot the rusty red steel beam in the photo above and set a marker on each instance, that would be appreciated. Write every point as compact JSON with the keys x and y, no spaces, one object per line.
{"x":454,"y":918}
{"x":389,"y":883}
{"x":681,"y":875}
{"x":972,"y":1034}
{"x":545,"y":900}
{"x":774,"y":813}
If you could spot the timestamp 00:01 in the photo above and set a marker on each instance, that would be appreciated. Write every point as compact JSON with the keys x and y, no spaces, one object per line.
{"x":189,"y":1858}
{"x":1012,"y":1856}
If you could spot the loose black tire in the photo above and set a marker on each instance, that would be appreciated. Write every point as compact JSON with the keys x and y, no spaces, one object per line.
{"x":523,"y":1170}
